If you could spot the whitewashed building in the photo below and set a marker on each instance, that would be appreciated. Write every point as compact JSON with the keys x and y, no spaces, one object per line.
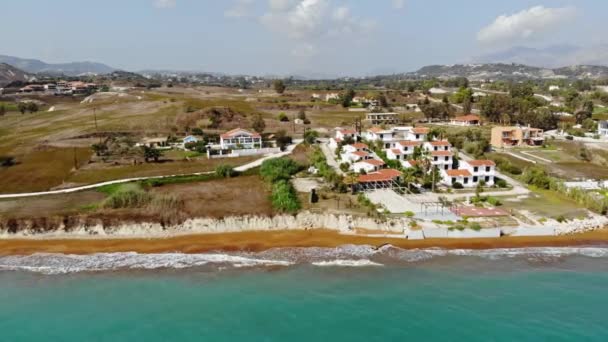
{"x":240,"y":139}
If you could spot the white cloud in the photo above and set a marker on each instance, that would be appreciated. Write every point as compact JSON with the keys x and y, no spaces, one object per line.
{"x":525,"y":25}
{"x":341,"y":13}
{"x":279,"y":5}
{"x":398,"y":4}
{"x":241,"y":8}
{"x":165,"y":3}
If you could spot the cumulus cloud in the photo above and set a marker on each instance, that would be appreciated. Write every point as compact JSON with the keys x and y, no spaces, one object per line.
{"x":525,"y":25}
{"x":241,"y":8}
{"x":165,"y":3}
{"x":398,"y":4}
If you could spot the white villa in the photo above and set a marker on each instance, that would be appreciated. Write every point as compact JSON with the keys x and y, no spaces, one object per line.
{"x":240,"y":139}
{"x":355,"y":152}
{"x":417,"y":134}
{"x":341,"y":135}
{"x":471,"y":173}
{"x":466,"y":120}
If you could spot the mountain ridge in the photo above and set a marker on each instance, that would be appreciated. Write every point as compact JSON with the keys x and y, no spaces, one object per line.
{"x":69,"y":69}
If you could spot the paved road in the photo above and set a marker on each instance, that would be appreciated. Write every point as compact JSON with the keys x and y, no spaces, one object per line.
{"x":331,"y":159}
{"x":241,"y":168}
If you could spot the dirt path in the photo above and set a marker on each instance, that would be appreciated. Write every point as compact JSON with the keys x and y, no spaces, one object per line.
{"x":241,"y":168}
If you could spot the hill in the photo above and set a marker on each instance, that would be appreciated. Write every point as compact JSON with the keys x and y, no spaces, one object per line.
{"x":69,"y":69}
{"x":10,"y":74}
{"x":510,"y":71}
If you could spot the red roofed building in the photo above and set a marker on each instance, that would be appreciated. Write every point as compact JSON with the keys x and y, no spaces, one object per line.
{"x":471,"y":173}
{"x":367,"y":165}
{"x":417,"y":134}
{"x":385,"y":178}
{"x":466,"y":120}
{"x":240,"y":139}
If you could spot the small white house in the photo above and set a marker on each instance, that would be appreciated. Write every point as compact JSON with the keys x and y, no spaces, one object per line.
{"x":355,"y":152}
{"x":438,"y":145}
{"x":332,"y":96}
{"x":466,"y":120}
{"x":417,"y":134}
{"x":470,"y":173}
{"x":240,"y":139}
{"x":368,"y":165}
{"x":442,"y":159}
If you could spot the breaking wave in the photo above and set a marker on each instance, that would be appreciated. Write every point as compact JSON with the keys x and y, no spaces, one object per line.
{"x":344,"y":256}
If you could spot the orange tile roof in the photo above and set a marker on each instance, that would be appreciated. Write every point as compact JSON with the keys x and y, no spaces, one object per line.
{"x":374,"y":162}
{"x":458,"y":173}
{"x":441,"y":153}
{"x":440,"y":143}
{"x":379,"y":176}
{"x":467,"y":118}
{"x":420,"y":130}
{"x":347,"y":131}
{"x":396,"y":151}
{"x":409,"y":143}
{"x":481,"y":163}
{"x":413,"y":162}
{"x":360,"y":146}
{"x":361,"y":154}
{"x":233,"y":132}
{"x":375,"y":130}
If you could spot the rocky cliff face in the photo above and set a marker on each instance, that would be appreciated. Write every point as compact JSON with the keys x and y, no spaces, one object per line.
{"x":9,"y":74}
{"x":82,"y":227}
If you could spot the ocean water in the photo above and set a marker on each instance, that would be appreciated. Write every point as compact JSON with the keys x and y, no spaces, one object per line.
{"x":345,"y":294}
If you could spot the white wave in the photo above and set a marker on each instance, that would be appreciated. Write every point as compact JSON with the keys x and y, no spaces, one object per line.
{"x":63,"y":263}
{"x":347,"y":263}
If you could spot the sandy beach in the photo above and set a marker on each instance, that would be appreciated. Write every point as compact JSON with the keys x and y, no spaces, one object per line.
{"x":259,"y":241}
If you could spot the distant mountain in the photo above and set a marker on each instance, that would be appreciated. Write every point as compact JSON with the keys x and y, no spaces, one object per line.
{"x":69,"y":69}
{"x":510,"y":71}
{"x":10,"y":74}
{"x":549,"y":57}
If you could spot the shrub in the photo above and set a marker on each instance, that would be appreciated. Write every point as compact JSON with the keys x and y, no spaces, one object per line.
{"x":127,"y":196}
{"x":276,"y":169}
{"x":284,"y":197}
{"x":475,"y":226}
{"x":494,"y":201}
{"x":501,"y":183}
{"x":569,"y":137}
{"x":457,"y":185}
{"x":409,"y":214}
{"x":561,"y":219}
{"x":283,"y":117}
{"x":225,"y":171}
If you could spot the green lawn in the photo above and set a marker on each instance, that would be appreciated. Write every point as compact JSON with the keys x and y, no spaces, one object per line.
{"x":546,"y":203}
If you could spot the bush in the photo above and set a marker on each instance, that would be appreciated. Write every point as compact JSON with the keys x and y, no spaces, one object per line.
{"x":127,"y":196}
{"x":561,"y":219}
{"x":283,"y":117}
{"x":276,"y":169}
{"x":409,"y":214}
{"x":457,"y":185}
{"x":569,"y":137}
{"x":501,"y":183}
{"x":225,"y":171}
{"x":284,"y":197}
{"x":494,"y":201}
{"x":475,"y":226}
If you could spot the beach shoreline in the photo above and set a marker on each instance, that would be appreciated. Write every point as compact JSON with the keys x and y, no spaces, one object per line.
{"x":258,"y":241}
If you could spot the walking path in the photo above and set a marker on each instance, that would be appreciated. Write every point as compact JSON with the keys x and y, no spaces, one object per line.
{"x":329,"y":155}
{"x":241,"y":168}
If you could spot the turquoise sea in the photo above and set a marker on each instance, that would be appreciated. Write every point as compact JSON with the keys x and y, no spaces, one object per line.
{"x":347,"y":294}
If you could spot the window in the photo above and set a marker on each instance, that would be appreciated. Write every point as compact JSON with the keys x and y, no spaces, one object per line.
{"x":417,"y":136}
{"x":435,"y":148}
{"x":435,"y":158}
{"x":447,"y":158}
{"x":447,"y":167}
{"x":453,"y":180}
{"x":466,"y":180}
{"x":446,"y":148}
{"x":475,"y":169}
{"x":475,"y":179}
{"x":488,"y":169}
{"x":487,"y":179}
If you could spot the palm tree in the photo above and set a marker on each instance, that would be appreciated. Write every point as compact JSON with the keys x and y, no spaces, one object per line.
{"x":351,"y":180}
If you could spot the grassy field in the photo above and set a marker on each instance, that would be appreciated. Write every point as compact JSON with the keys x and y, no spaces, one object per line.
{"x":548,"y":204}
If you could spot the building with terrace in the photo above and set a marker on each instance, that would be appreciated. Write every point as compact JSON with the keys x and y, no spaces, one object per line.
{"x":240,"y":139}
{"x":516,"y":136}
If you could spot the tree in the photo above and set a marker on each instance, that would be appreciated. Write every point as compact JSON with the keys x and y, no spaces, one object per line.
{"x":282,"y":139}
{"x":381,"y":100}
{"x":151,"y":153}
{"x":494,"y":106}
{"x":99,"y":149}
{"x":2,"y":110}
{"x":273,"y":170}
{"x":347,"y":97}
{"x":32,"y":107}
{"x":302,"y":114}
{"x":279,"y":86}
{"x":310,"y":136}
{"x":588,"y":106}
{"x":225,"y":171}
{"x":582,"y":115}
{"x":467,"y":105}
{"x":258,"y":124}
{"x":283,"y":117}
{"x":22,"y":106}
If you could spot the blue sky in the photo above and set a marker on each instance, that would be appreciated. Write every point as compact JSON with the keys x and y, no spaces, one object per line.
{"x":314,"y":37}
